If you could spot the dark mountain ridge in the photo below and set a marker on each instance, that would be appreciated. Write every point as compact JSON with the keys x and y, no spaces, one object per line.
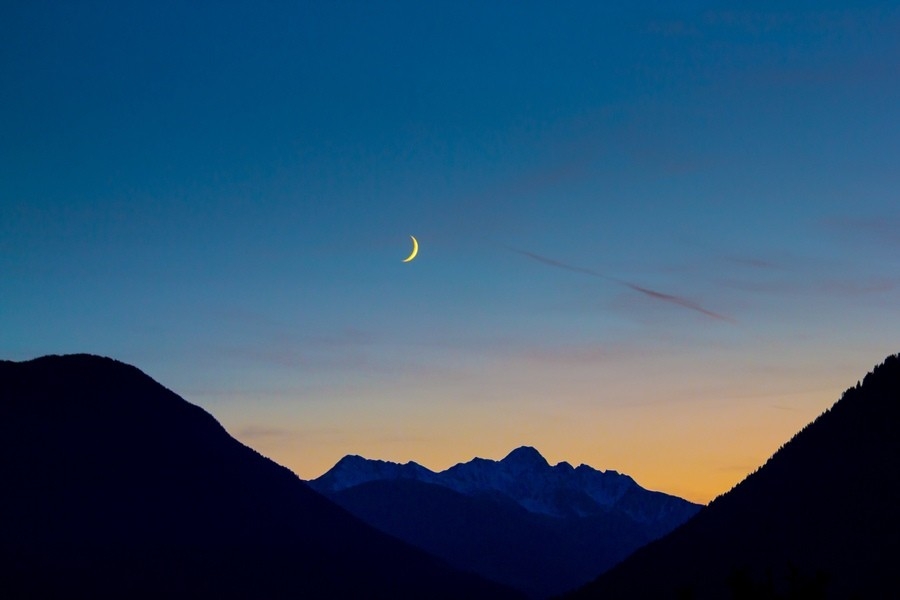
{"x":542,"y":529}
{"x":526,"y":478}
{"x":116,"y":487}
{"x":819,"y":520}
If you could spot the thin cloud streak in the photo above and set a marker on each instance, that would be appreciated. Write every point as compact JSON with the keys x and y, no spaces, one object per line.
{"x":678,"y":300}
{"x":757,"y":263}
{"x":882,"y":228}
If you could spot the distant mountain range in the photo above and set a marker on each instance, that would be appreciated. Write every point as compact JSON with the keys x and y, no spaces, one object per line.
{"x":542,"y":529}
{"x":115,"y":487}
{"x":821,"y":519}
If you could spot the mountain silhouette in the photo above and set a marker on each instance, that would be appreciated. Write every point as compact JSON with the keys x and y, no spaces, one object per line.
{"x":821,"y":519}
{"x":542,"y":529}
{"x":115,"y":487}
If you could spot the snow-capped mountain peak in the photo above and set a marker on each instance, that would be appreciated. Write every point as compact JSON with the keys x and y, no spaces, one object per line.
{"x":524,"y":477}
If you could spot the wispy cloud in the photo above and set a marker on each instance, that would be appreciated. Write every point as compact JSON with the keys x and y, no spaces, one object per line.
{"x":884,"y":228}
{"x":277,"y":356}
{"x":832,"y":287}
{"x":750,"y":261}
{"x":567,"y":355}
{"x":657,"y":295}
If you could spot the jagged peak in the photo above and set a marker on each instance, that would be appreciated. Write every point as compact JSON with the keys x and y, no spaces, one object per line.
{"x":352,"y":459}
{"x":524,"y":476}
{"x":355,"y":461}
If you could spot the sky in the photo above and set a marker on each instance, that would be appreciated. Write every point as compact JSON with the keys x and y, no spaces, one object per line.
{"x":655,"y":237}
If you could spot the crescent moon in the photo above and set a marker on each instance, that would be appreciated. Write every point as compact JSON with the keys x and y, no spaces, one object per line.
{"x":415,"y":249}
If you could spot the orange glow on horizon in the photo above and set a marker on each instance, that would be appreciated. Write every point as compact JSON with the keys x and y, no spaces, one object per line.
{"x":694,"y":454}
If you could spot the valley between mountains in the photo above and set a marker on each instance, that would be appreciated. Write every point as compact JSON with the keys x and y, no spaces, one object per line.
{"x":538,"y":528}
{"x":116,"y":487}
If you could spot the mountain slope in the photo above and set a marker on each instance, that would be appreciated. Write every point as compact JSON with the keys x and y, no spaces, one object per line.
{"x":542,"y":529}
{"x":116,"y":487}
{"x":494,"y":537}
{"x":819,"y":519}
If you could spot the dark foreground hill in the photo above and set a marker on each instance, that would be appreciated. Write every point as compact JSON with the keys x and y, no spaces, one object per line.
{"x":821,"y":519}
{"x":542,"y":529}
{"x":115,"y":487}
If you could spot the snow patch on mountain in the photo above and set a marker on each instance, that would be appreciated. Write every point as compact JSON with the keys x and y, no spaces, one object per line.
{"x":525,"y":477}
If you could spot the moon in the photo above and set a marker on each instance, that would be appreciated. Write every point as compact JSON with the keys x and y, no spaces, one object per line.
{"x":415,"y":249}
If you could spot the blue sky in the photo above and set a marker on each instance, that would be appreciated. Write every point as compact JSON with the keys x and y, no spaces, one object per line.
{"x":222,"y":194}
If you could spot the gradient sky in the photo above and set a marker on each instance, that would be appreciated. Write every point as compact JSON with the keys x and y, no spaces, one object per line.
{"x":657,"y":239}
